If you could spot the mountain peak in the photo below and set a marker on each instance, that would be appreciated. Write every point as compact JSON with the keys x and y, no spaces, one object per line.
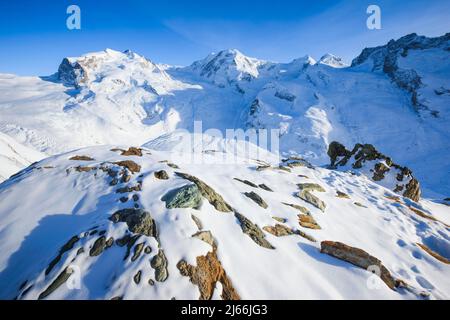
{"x":332,"y":61}
{"x":227,"y":66}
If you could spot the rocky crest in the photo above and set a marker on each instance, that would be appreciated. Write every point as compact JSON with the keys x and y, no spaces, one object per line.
{"x":365,"y":158}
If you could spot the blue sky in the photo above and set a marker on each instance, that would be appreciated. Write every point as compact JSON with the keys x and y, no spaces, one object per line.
{"x":34,"y":37}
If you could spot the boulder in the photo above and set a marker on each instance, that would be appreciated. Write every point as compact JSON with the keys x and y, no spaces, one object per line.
{"x":256,"y":198}
{"x":253,"y":231}
{"x":159,"y":263}
{"x":357,"y":257}
{"x":307,"y":196}
{"x":207,"y":192}
{"x":161,"y":174}
{"x":138,"y":221}
{"x":188,"y":196}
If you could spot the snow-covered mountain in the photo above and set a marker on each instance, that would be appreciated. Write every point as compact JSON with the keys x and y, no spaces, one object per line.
{"x":394,"y":97}
{"x":145,"y":224}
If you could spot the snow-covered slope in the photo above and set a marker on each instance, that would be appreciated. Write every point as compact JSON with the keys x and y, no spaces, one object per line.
{"x":394,"y":97}
{"x":127,"y":230}
{"x":15,"y":156}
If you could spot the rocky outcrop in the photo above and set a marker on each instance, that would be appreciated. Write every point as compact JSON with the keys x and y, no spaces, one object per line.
{"x":60,"y":280}
{"x":249,"y":183}
{"x":366,"y":159}
{"x":257,"y":199}
{"x":306,"y":194}
{"x":207,"y":192}
{"x":188,"y":196}
{"x":138,"y":220}
{"x":159,"y":263}
{"x":253,"y":231}
{"x":206,"y":274}
{"x":359,"y":258}
{"x":161,"y":175}
{"x":66,"y":247}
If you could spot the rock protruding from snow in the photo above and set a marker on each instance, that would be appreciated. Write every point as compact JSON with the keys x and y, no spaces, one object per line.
{"x":380,"y":168}
{"x":358,"y":257}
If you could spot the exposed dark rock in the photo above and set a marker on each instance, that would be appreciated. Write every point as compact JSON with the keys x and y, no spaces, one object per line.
{"x":264,"y":187}
{"x":249,"y":183}
{"x":98,"y":247}
{"x":207,"y":192}
{"x":161,"y":174}
{"x":148,"y":250}
{"x":137,"y":277}
{"x":357,"y":257}
{"x":255,"y":197}
{"x":135,"y":197}
{"x":128,"y":189}
{"x":188,"y":196}
{"x":342,"y":195}
{"x":159,"y":263}
{"x":172,"y":165}
{"x":360,"y":205}
{"x":138,"y":221}
{"x":60,"y":279}
{"x":137,"y":251}
{"x":253,"y":231}
{"x":66,"y":247}
{"x":123,"y":199}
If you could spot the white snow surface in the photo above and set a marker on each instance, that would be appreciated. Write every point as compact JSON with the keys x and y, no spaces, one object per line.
{"x":15,"y":156}
{"x":32,"y":233}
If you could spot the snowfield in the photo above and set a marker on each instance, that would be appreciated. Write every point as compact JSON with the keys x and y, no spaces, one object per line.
{"x":382,"y":225}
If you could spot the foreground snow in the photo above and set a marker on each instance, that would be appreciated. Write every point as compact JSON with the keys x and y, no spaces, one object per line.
{"x":50,"y":202}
